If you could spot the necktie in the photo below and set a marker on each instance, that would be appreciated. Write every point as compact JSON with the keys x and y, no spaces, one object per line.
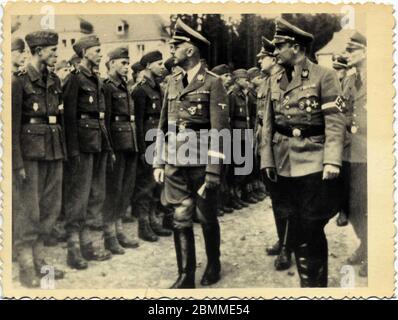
{"x":185,"y":80}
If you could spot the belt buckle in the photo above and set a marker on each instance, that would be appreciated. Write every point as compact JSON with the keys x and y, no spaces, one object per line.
{"x":102,"y":115}
{"x":132,"y":118}
{"x":52,"y":119}
{"x":296,"y":132}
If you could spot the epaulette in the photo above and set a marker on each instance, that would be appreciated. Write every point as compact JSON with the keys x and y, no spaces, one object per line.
{"x":230,"y":91}
{"x":107,"y":80}
{"x":212,"y":73}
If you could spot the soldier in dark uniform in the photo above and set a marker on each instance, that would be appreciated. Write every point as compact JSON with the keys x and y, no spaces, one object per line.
{"x":120,"y":176}
{"x":226,"y":204}
{"x":272,"y":70}
{"x":355,"y":153}
{"x":303,"y":139}
{"x":148,"y":97}
{"x":195,"y":99}
{"x":347,"y":81}
{"x":88,"y":149}
{"x":242,"y":108}
{"x":38,"y":153}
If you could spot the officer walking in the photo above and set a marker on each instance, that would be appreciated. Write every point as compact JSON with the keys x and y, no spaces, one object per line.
{"x":272,"y":70}
{"x":303,"y":132}
{"x":355,"y":155}
{"x":121,"y":175}
{"x":195,"y":99}
{"x":148,"y":97}
{"x":88,"y":148}
{"x":38,"y":152}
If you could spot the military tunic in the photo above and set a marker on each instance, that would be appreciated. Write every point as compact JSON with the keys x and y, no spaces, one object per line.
{"x":39,"y":148}
{"x":88,"y":146}
{"x":304,"y":129}
{"x":147,"y":97}
{"x":202,"y":104}
{"x":120,"y":176}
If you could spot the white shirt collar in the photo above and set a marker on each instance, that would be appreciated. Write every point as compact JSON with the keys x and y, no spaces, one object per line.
{"x":192,"y":72}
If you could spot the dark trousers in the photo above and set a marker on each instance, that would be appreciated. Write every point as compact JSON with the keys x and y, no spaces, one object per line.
{"x":144,"y":198}
{"x":120,"y":183}
{"x":39,"y":197}
{"x":85,"y":190}
{"x":356,"y":199}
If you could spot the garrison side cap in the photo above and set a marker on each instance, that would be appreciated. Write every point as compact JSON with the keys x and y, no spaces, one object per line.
{"x":286,"y":32}
{"x":221,"y":69}
{"x":184,"y":33}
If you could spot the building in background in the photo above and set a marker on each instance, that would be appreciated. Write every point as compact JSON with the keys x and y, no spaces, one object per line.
{"x":141,"y":33}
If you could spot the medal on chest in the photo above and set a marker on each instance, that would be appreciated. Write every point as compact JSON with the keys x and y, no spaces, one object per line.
{"x":91,"y":99}
{"x":192,"y":110}
{"x":35,"y":106}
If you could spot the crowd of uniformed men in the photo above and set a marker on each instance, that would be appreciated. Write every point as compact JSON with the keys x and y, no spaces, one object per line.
{"x":79,"y":150}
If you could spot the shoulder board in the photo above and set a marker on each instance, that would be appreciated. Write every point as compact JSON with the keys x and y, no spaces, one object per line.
{"x":230,"y":91}
{"x":20,"y":73}
{"x":212,"y":73}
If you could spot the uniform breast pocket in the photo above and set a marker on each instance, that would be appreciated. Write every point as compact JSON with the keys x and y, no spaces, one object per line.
{"x":199,"y":105}
{"x":120,"y":101}
{"x":35,"y":100}
{"x":122,"y":136}
{"x":33,"y":141}
{"x":275,"y":99}
{"x":87,"y":96}
{"x":89,"y":133}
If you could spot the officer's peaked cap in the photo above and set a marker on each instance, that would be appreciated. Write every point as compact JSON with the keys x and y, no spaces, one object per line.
{"x":286,"y":32}
{"x":267,"y":48}
{"x":184,"y":33}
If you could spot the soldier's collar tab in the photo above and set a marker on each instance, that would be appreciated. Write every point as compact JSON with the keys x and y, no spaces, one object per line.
{"x":33,"y":73}
{"x":84,"y":70}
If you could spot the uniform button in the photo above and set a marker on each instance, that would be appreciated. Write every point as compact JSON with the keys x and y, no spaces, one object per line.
{"x":289,"y":116}
{"x":287,"y":106}
{"x":181,"y":109}
{"x":86,"y":125}
{"x":53,"y":130}
{"x":308,"y":109}
{"x":280,"y":167}
{"x":354,"y":115}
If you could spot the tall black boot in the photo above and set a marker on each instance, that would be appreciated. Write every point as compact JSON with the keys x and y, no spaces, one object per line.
{"x":280,"y":229}
{"x":313,"y":271}
{"x":184,"y":242}
{"x":211,"y":235}
{"x":283,"y":260}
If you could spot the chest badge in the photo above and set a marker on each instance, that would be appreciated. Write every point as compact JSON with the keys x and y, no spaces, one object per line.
{"x":35,"y":106}
{"x":192,"y":110}
{"x":285,"y":101}
{"x":200,"y":77}
{"x":154,"y":105}
{"x":304,"y":73}
{"x":301,"y":105}
{"x":91,"y":99}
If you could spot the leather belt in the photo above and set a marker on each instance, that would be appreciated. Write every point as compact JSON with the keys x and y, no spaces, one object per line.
{"x":152,"y":117}
{"x":97,"y":116}
{"x":192,"y":126}
{"x":301,"y":132}
{"x":130,"y":118}
{"x":42,"y":120}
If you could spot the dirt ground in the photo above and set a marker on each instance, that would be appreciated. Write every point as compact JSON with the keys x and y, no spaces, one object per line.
{"x":244,"y":234}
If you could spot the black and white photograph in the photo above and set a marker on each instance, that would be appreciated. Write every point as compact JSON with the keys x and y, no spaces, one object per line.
{"x":189,"y":151}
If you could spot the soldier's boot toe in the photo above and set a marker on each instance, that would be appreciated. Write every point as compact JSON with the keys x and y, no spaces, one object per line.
{"x":90,"y":253}
{"x":127,"y":242}
{"x":243,"y":203}
{"x":41,"y":269}
{"x":50,"y":241}
{"x":75,"y":260}
{"x":220,"y":213}
{"x":356,"y":257}
{"x":158,"y":229}
{"x":112,"y":244}
{"x":235,"y":205}
{"x":211,"y":275}
{"x":284,"y":260}
{"x":28,"y":277}
{"x":228,"y":209}
{"x":145,"y":232}
{"x":342,"y":219}
{"x":273,"y":250}
{"x":184,"y":281}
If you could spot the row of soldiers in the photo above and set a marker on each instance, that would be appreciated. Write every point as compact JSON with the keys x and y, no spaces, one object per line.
{"x":79,"y":144}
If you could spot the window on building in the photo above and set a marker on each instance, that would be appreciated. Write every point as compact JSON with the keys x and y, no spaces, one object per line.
{"x":72,"y":41}
{"x":64,"y":42}
{"x":141,"y":49}
{"x":122,"y":28}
